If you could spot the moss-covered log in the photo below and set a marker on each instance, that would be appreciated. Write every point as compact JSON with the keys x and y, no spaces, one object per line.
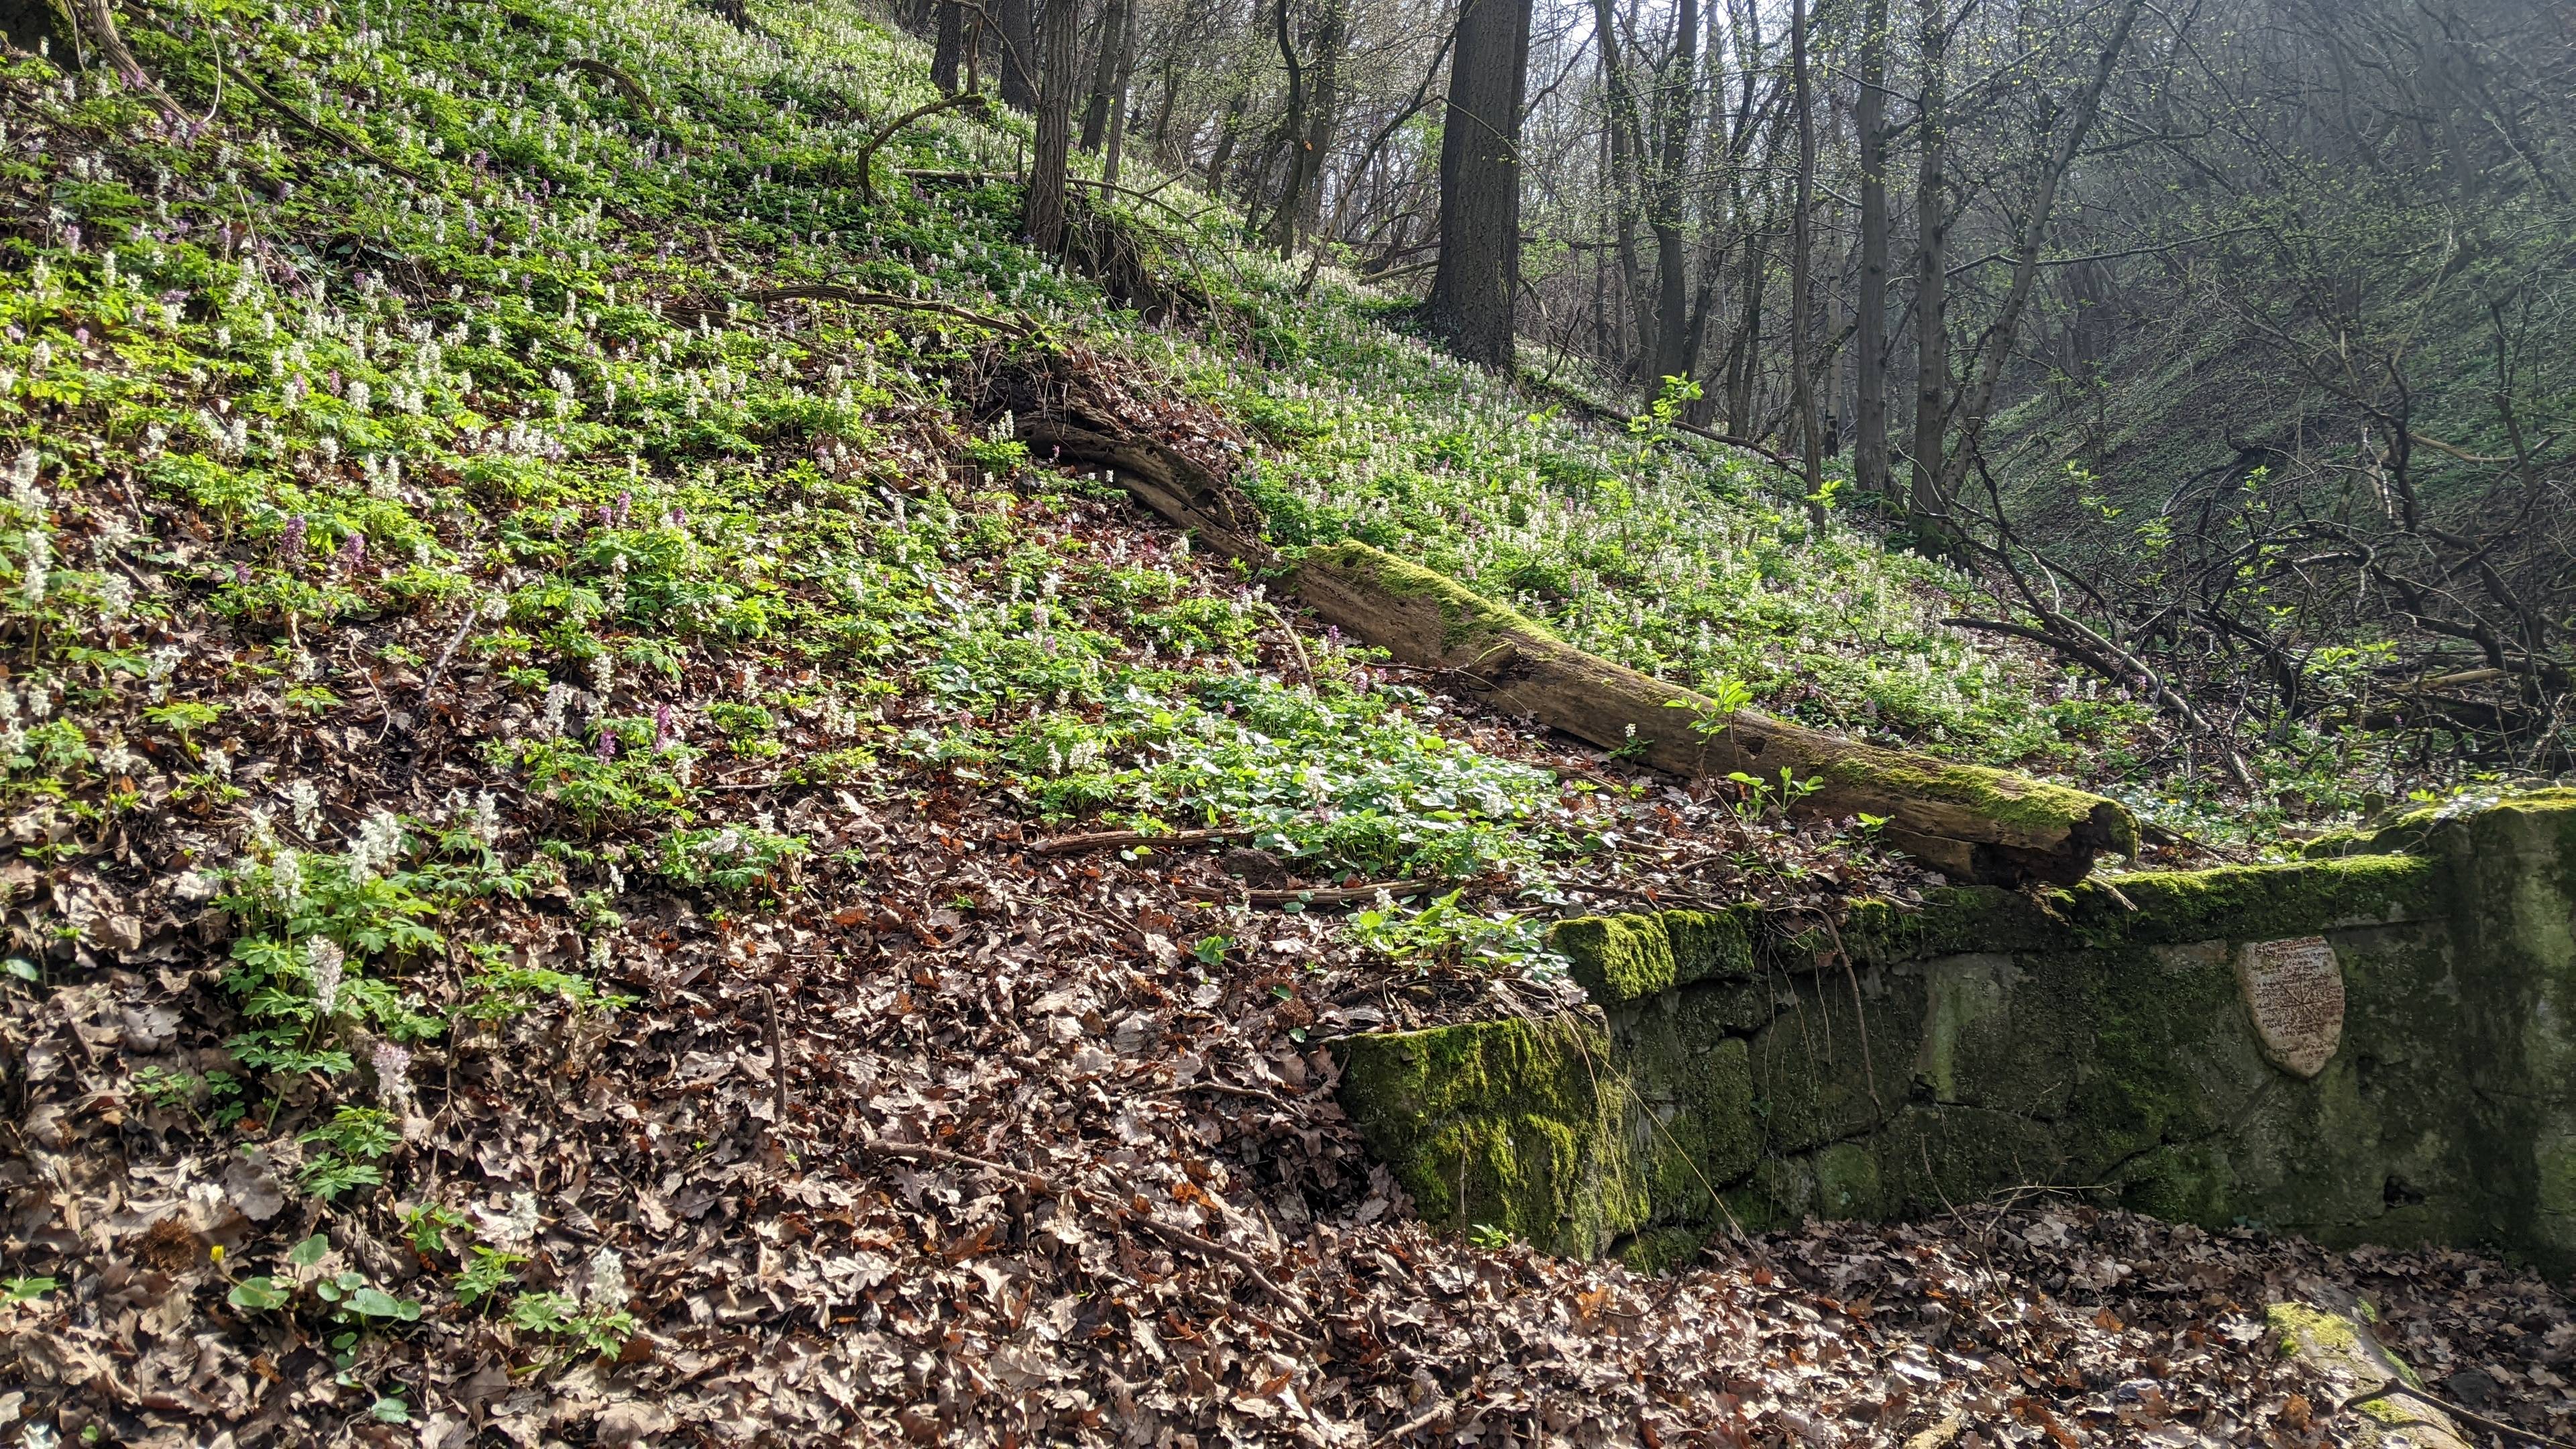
{"x":1970,"y":823}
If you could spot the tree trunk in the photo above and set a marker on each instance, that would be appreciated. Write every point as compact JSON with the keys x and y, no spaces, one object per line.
{"x":1664,"y":206}
{"x":1045,"y":216}
{"x":1928,"y":512}
{"x":951,"y":44}
{"x":1019,"y":61}
{"x":1802,"y":391}
{"x":1869,"y":449}
{"x":1118,"y":100}
{"x":1105,"y":72}
{"x":1226,"y":136}
{"x":1970,"y":823}
{"x":1979,"y":395}
{"x":1478,"y":278}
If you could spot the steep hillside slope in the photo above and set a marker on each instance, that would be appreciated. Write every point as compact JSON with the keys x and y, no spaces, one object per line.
{"x":601,"y":855}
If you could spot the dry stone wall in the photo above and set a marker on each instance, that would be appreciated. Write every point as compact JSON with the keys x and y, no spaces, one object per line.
{"x":2376,"y":1045}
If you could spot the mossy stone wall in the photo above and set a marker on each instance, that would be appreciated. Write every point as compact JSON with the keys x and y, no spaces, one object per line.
{"x":2094,"y":1040}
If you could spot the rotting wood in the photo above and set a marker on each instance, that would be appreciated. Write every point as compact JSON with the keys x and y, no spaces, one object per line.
{"x":1968,"y":822}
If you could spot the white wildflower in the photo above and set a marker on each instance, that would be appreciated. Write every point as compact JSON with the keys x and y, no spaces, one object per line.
{"x":550,"y":721}
{"x":513,"y":1229}
{"x":393,"y":1072}
{"x":607,"y":1280}
{"x":378,"y":845}
{"x":487,"y":818}
{"x":323,"y":962}
{"x":40,"y":553}
{"x":306,"y":802}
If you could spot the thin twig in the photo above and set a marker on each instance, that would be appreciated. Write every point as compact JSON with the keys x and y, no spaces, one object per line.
{"x":777,"y":1066}
{"x":1315,"y":895}
{"x":430,"y":683}
{"x":339,"y":138}
{"x":865,"y":161}
{"x":1109,"y":839}
{"x":2455,"y":1411}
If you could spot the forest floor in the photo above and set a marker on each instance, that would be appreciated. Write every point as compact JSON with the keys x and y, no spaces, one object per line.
{"x":595,"y":850}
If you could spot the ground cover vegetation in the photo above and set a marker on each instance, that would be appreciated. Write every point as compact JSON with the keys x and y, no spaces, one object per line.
{"x":601,"y":850}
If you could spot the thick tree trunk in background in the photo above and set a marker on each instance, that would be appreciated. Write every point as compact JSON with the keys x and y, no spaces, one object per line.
{"x":1869,"y":448}
{"x":1665,"y":197}
{"x":1105,"y":72}
{"x":1118,"y":100}
{"x":1802,"y":391}
{"x":950,"y":45}
{"x":1045,"y":217}
{"x":1475,"y":286}
{"x":1625,"y":135}
{"x":1019,"y":60}
{"x":1926,"y":510}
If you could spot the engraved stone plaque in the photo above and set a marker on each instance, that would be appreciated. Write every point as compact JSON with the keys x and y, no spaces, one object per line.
{"x":2294,"y":988}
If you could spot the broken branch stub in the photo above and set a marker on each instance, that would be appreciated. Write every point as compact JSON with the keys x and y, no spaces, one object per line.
{"x":1970,"y":823}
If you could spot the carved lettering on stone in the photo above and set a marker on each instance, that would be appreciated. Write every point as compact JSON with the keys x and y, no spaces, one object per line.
{"x":2294,"y":989}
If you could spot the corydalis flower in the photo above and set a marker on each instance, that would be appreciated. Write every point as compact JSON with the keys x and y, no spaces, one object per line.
{"x":286,"y":877}
{"x":665,"y":726}
{"x":306,"y":802}
{"x":379,"y":843}
{"x":607,"y":1279}
{"x":607,"y":746}
{"x":292,"y":544}
{"x":393,"y":1071}
{"x":353,"y":552}
{"x":324,"y":962}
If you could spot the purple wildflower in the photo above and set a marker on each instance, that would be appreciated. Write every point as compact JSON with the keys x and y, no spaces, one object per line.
{"x":607,"y":746}
{"x":624,"y":500}
{"x":353,"y":552}
{"x":665,"y":726}
{"x":293,"y":544}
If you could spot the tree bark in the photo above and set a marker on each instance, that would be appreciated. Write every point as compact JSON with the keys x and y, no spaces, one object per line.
{"x":1104,"y":73}
{"x":950,"y":45}
{"x":1970,"y":823}
{"x":1802,"y":392}
{"x":1665,"y":196}
{"x":1118,"y":100}
{"x":1869,"y":447}
{"x":1019,"y":60}
{"x":1928,"y":511}
{"x":1977,"y":398}
{"x":1478,"y":279}
{"x":1045,"y":214}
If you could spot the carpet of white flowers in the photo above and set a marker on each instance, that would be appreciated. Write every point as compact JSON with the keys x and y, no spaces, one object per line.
{"x":598,"y":855}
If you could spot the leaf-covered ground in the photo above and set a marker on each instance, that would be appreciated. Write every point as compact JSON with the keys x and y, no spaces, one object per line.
{"x":595,"y":857}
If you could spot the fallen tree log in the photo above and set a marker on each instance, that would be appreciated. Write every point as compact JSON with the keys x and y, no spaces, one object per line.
{"x":1971,"y":823}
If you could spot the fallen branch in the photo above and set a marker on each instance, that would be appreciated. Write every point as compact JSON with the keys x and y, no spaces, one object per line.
{"x":1970,"y":823}
{"x":1314,"y":895}
{"x":98,"y":17}
{"x":827,"y":292}
{"x":1119,"y":839}
{"x":243,"y":79}
{"x":866,"y":159}
{"x":633,"y":88}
